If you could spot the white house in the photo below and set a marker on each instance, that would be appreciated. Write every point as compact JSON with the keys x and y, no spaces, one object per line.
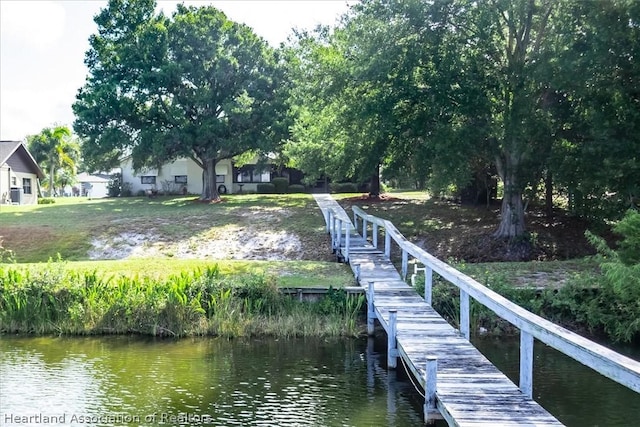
{"x":185,"y":176}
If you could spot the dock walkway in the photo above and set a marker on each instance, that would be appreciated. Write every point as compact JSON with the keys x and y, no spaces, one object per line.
{"x":469,"y":390}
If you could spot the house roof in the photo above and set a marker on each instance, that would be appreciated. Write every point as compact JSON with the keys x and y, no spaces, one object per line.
{"x":85,"y":177}
{"x":9,"y":148}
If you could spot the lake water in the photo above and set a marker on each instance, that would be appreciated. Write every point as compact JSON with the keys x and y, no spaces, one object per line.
{"x":112,"y":381}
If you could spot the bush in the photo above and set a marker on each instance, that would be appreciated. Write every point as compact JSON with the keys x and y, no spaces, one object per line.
{"x":126,"y":190}
{"x":281,"y":185}
{"x":344,"y":187}
{"x":46,"y":201}
{"x":114,"y":187}
{"x":629,"y":229}
{"x":266,"y":188}
{"x":297,"y":188}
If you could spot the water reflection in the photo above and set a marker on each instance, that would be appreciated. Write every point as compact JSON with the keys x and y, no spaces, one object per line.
{"x":133,"y":381}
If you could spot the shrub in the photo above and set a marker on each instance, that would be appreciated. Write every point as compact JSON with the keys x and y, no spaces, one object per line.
{"x":281,"y":184}
{"x":344,"y":187}
{"x":114,"y":187}
{"x":126,"y":190}
{"x":629,"y":229}
{"x":266,"y":188}
{"x":46,"y":201}
{"x":297,"y":188}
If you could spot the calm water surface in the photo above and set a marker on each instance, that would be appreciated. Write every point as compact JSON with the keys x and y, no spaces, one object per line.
{"x":113,"y":381}
{"x":215,"y":382}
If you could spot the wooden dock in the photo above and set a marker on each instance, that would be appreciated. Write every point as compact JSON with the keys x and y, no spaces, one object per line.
{"x":461,"y":385}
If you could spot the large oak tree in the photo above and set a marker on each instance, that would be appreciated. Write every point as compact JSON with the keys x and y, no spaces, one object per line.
{"x":194,"y":85}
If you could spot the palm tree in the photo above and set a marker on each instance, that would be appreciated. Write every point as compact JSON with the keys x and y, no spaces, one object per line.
{"x":54,"y":148}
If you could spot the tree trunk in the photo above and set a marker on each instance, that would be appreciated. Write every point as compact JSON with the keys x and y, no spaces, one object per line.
{"x":374,"y":188}
{"x":512,"y":211}
{"x":209,"y":187}
{"x":51,"y":172}
{"x":548,"y":194}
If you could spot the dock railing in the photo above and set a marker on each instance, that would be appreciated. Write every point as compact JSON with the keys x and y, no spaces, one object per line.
{"x":607,"y":362}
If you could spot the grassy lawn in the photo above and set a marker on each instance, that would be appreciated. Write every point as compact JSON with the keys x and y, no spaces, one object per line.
{"x":173,"y":234}
{"x":68,"y":227}
{"x":167,"y":235}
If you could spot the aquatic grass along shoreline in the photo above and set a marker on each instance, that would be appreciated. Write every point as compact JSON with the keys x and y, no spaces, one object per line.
{"x":53,"y":300}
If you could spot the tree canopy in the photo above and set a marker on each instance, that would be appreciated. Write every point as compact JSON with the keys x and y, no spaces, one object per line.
{"x":540,"y":93}
{"x":193,"y":85}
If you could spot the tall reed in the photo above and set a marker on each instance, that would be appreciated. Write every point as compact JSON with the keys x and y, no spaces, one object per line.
{"x":204,"y":301}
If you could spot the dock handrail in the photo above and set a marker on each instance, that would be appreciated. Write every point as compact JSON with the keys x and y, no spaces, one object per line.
{"x":607,"y":362}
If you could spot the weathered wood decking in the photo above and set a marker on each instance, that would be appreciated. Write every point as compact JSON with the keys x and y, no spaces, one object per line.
{"x":471,"y":391}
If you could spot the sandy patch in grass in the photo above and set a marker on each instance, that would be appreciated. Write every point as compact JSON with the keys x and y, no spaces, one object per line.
{"x":237,"y":243}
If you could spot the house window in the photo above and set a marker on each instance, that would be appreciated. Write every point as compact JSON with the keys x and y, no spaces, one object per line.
{"x":253,"y":174}
{"x":180,"y":179}
{"x":148,"y":180}
{"x":14,"y":181}
{"x":26,"y":185}
{"x":220,"y":179}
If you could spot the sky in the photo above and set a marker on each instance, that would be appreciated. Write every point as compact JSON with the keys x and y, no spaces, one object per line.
{"x":42,"y":47}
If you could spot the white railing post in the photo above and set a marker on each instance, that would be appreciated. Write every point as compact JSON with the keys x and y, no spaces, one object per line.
{"x":364,"y":229}
{"x":464,"y":314}
{"x":405,"y":263}
{"x":328,"y":221}
{"x":371,"y":312}
{"x":375,"y":235}
{"x":428,"y":284}
{"x":430,"y":389}
{"x":339,"y":235}
{"x":526,"y":363}
{"x":334,"y":238}
{"x":387,"y":244}
{"x":357,"y":272}
{"x":347,"y":241}
{"x":392,"y":349}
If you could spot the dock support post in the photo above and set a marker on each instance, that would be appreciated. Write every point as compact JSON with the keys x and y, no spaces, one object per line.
{"x":375,"y":235}
{"x":387,"y":245}
{"x":405,"y":263}
{"x":357,"y":272}
{"x":526,"y":363}
{"x":392,"y":349}
{"x":430,"y":388}
{"x":328,"y":221}
{"x":464,"y":314}
{"x":347,"y":241}
{"x":428,"y":283}
{"x":371,"y":312}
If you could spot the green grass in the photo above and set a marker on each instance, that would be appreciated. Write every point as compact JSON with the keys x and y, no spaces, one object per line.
{"x":36,"y":233}
{"x":294,"y":274}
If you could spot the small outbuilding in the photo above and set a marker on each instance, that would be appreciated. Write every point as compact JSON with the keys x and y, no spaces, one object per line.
{"x":94,"y":186}
{"x":19,"y":174}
